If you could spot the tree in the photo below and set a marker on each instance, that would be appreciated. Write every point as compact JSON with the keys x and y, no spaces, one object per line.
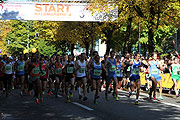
{"x":21,"y":36}
{"x":46,"y":48}
{"x":150,"y":13}
{"x":5,"y":28}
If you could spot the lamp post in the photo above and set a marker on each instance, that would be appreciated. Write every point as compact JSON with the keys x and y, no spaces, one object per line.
{"x":139,"y":38}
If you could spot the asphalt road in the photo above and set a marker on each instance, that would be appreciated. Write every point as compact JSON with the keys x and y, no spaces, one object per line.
{"x":16,"y":107}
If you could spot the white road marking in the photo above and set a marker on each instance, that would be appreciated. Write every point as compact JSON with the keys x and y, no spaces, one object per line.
{"x":83,"y":106}
{"x":174,"y":105}
{"x":59,"y":96}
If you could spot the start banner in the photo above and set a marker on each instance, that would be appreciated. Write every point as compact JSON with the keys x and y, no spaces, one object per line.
{"x":53,"y":12}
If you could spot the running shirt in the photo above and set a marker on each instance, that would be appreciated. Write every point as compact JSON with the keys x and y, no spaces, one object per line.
{"x":70,"y":70}
{"x":8,"y":68}
{"x":175,"y":69}
{"x":52,"y":69}
{"x":112,"y":68}
{"x":1,"y":69}
{"x":58,"y":69}
{"x":43,"y":72}
{"x":81,"y":72}
{"x":153,"y":68}
{"x":20,"y":68}
{"x":119,"y":71}
{"x":135,"y":68}
{"x":35,"y":71}
{"x":97,"y":70}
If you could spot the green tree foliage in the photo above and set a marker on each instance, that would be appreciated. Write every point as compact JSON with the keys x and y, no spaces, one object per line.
{"x":4,"y":29}
{"x":21,"y":34}
{"x":150,"y":13}
{"x":46,"y":48}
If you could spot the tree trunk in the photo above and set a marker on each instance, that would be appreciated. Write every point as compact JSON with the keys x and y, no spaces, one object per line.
{"x":128,"y":33}
{"x":151,"y":40}
{"x":72,"y":49}
{"x":87,"y":49}
{"x":108,"y":47}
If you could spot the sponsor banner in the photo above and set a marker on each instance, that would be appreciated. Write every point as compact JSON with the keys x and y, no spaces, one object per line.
{"x":53,"y":12}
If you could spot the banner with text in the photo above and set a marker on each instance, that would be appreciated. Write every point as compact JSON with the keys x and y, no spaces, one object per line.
{"x":53,"y":12}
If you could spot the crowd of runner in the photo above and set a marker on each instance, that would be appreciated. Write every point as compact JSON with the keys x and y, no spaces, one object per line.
{"x":64,"y":74}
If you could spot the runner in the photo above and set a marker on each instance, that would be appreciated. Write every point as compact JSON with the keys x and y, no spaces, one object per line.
{"x":64,"y":62}
{"x":126,"y":72}
{"x":81,"y":68}
{"x":1,"y":75}
{"x":20,"y":71}
{"x":111,"y":65}
{"x":135,"y":76}
{"x":34,"y":80}
{"x":58,"y":73}
{"x":9,"y":71}
{"x":27,"y":62}
{"x":104,"y":72}
{"x":119,"y":68}
{"x":43,"y":74}
{"x":97,"y":67}
{"x":174,"y":72}
{"x":155,"y":76}
{"x":51,"y":74}
{"x":69,"y":78}
{"x":90,"y":71}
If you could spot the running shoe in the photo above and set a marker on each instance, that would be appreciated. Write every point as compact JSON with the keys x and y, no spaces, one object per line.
{"x":68,"y":100}
{"x":155,"y":98}
{"x":137,"y":102}
{"x":177,"y":95}
{"x":160,"y":98}
{"x":21,"y":93}
{"x":85,"y":98}
{"x":95,"y":102}
{"x":130,"y":93}
{"x":170,"y":91}
{"x":50,"y":93}
{"x":37,"y":101}
{"x":28,"y":93}
{"x":80,"y":96}
{"x":117,"y":99}
{"x":71,"y":94}
{"x":114,"y":95}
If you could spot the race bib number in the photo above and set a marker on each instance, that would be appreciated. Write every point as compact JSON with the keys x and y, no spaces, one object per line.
{"x":147,"y":75}
{"x":175,"y":71}
{"x":97,"y":72}
{"x":43,"y":73}
{"x":113,"y":68}
{"x":118,"y":72}
{"x":129,"y":69}
{"x":8,"y":68}
{"x":58,"y":70}
{"x":81,"y":70}
{"x":35,"y":70}
{"x":21,"y":67}
{"x":136,"y":71}
{"x":70,"y":69}
{"x":155,"y":71}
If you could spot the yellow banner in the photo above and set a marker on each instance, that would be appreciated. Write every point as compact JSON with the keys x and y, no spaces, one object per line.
{"x":167,"y":81}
